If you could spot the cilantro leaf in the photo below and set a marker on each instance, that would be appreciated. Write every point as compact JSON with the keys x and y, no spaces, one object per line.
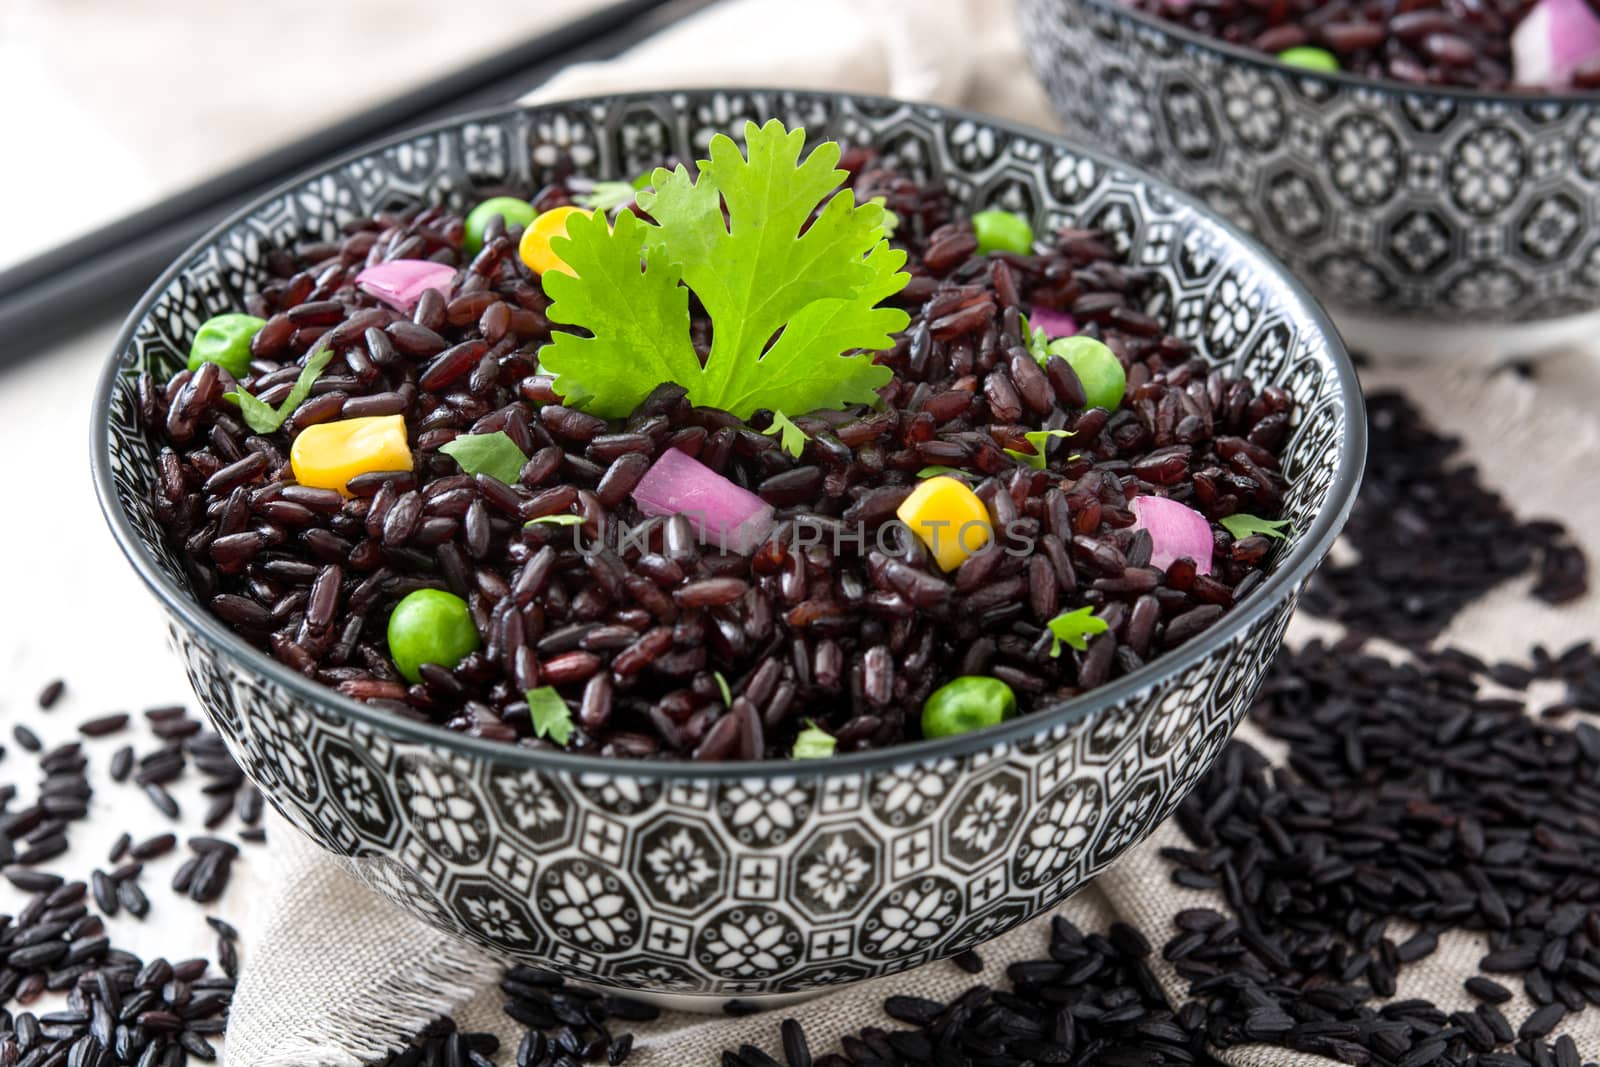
{"x":1040,"y":440}
{"x":938,"y":472}
{"x":550,"y":714}
{"x":1243,"y":525}
{"x":1075,"y":628}
{"x":261,"y":417}
{"x":722,"y":687}
{"x":639,"y":316}
{"x":792,"y":439}
{"x":493,"y":454}
{"x":607,"y":197}
{"x":786,"y":306}
{"x":891,"y":221}
{"x":813,"y":742}
{"x":556,"y":520}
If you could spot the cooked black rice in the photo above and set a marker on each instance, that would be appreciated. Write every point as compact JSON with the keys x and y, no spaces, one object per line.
{"x":634,"y":640}
{"x":1434,"y":42}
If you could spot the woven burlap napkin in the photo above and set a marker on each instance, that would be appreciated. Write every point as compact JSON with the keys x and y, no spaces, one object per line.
{"x":336,"y":975}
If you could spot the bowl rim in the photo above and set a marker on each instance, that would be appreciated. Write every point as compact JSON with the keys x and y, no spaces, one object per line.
{"x":1241,"y":54}
{"x":1292,"y":570}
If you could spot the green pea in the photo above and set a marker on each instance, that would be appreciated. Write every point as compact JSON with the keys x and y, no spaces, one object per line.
{"x":1002,"y":231}
{"x":430,"y":626}
{"x":966,"y":704}
{"x":1307,"y":58}
{"x":1097,"y":367}
{"x":225,"y":341}
{"x":515,"y":212}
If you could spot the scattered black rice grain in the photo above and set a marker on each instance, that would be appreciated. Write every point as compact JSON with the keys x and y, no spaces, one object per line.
{"x":968,"y":960}
{"x":440,"y":1044}
{"x":161,"y":799}
{"x":118,"y":1011}
{"x":51,"y":693}
{"x":565,"y":1025}
{"x":1092,"y":1000}
{"x":122,"y":763}
{"x":1406,"y":797}
{"x":105,"y":893}
{"x":104,"y":725}
{"x":153,"y":847}
{"x":1429,"y":537}
{"x":27,"y":738}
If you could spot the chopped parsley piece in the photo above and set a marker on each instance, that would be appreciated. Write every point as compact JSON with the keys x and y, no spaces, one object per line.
{"x":1040,"y":440}
{"x":1075,"y":628}
{"x":792,"y":439}
{"x":1242,"y":526}
{"x":814,"y":742}
{"x":493,"y":454}
{"x":550,"y":714}
{"x":261,"y":417}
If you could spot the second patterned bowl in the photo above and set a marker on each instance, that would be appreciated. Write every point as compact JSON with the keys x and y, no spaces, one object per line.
{"x":1390,"y":201}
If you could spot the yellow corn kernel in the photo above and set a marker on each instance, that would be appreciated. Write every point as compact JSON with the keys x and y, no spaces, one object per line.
{"x":535,"y":248}
{"x":328,"y":454}
{"x":949,"y":518}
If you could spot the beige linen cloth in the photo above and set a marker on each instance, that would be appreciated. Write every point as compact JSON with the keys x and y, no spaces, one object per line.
{"x":334,"y":974}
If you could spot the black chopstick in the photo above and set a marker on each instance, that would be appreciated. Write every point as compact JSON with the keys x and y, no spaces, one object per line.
{"x":67,"y":290}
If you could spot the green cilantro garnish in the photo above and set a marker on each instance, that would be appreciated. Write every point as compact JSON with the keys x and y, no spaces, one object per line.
{"x":1040,"y":440}
{"x":493,"y":454}
{"x":1037,"y":341}
{"x":607,"y":197}
{"x":556,"y":520}
{"x":1075,"y":628}
{"x":261,"y":417}
{"x":551,"y":716}
{"x":946,"y":472}
{"x":792,"y":439}
{"x":1242,"y":526}
{"x":814,"y":742}
{"x":722,"y":687}
{"x":786,"y":307}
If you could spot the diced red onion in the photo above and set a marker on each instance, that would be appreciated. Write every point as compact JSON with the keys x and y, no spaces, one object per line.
{"x":724,"y":514}
{"x":400,"y":283}
{"x":1177,"y":531}
{"x":1054,"y":323}
{"x":1553,"y":40}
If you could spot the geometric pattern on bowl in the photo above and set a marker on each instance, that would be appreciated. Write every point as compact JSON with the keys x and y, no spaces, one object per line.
{"x":1431,"y":203}
{"x":749,"y":879}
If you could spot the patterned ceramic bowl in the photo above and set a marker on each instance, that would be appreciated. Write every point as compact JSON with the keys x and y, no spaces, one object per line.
{"x":1390,"y":201}
{"x":747,"y":879}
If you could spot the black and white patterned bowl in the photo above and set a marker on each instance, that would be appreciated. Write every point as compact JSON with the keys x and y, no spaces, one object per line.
{"x":1389,"y":201}
{"x":748,"y":879}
